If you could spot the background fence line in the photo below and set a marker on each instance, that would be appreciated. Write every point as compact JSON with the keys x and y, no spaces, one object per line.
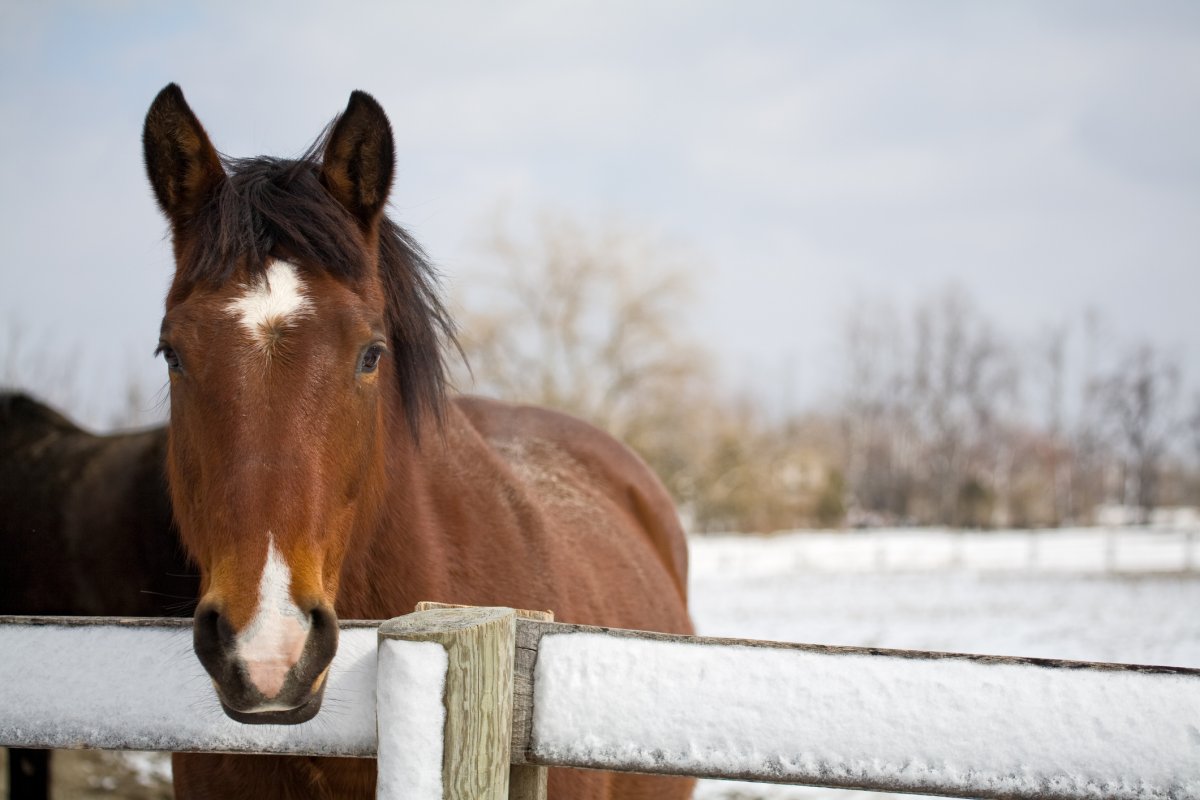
{"x":1098,"y":551}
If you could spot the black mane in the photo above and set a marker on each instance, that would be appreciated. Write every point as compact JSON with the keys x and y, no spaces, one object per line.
{"x":270,"y":207}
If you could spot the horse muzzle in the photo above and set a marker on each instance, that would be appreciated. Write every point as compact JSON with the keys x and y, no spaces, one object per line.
{"x":273,"y":671}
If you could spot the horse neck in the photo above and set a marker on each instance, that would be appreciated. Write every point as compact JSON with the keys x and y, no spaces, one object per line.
{"x":403,"y":548}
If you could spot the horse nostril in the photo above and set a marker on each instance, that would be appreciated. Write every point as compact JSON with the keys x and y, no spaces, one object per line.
{"x":323,"y":636}
{"x":322,"y":619}
{"x":211,"y":636}
{"x":206,"y":624}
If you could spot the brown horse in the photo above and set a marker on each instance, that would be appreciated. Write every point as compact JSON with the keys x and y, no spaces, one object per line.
{"x":319,"y":470}
{"x":85,"y":529}
{"x":85,"y":520}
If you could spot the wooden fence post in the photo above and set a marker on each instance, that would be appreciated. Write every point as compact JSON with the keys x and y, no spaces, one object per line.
{"x":478,"y":645}
{"x":525,"y":781}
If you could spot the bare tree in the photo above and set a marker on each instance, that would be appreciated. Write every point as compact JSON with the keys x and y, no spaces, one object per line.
{"x":925,"y":412}
{"x":1193,"y":426}
{"x":1051,"y":355}
{"x":589,"y":321}
{"x":1091,"y":444}
{"x":872,"y":412}
{"x":964,"y":388}
{"x":1139,"y":398}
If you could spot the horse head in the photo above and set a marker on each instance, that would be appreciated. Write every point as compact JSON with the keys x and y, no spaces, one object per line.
{"x":299,"y":321}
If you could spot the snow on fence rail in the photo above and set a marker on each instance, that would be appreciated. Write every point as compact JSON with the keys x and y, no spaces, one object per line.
{"x":135,"y":684}
{"x":462,"y":688}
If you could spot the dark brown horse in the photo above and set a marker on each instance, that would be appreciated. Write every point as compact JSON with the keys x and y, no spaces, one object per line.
{"x":319,"y":470}
{"x":85,"y":529}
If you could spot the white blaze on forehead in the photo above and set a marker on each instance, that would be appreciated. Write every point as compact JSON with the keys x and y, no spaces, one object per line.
{"x":274,"y":640}
{"x":273,"y":301}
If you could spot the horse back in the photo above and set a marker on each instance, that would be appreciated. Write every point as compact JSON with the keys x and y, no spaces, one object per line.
{"x":597,"y":497}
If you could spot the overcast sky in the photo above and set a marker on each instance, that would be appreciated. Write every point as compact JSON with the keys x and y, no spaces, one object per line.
{"x":1044,"y":156}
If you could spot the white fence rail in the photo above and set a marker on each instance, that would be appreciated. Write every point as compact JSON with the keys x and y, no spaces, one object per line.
{"x":135,"y":684}
{"x":1072,"y":550}
{"x":566,"y":695}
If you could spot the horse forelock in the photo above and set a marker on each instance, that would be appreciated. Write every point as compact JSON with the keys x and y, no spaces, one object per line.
{"x":273,"y":209}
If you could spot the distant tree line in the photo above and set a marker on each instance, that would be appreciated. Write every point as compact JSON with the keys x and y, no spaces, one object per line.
{"x":942,"y":418}
{"x":946,"y":420}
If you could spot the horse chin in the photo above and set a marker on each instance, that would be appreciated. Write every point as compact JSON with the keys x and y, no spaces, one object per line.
{"x":290,"y":716}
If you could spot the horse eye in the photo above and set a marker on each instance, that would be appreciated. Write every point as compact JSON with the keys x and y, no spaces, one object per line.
{"x":170,"y":356}
{"x":370,"y":358}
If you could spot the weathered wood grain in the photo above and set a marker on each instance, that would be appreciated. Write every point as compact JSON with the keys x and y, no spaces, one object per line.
{"x":479,"y":646}
{"x":525,"y":781}
{"x":530,"y":632}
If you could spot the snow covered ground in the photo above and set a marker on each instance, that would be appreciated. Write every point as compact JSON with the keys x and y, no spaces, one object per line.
{"x":943,"y":591}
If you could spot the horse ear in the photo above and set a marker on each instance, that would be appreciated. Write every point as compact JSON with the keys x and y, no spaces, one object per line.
{"x":360,"y":158}
{"x":182,"y":163}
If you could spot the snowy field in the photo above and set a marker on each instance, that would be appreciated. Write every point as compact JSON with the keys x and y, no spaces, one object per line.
{"x":1119,"y":595}
{"x":1090,"y":595}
